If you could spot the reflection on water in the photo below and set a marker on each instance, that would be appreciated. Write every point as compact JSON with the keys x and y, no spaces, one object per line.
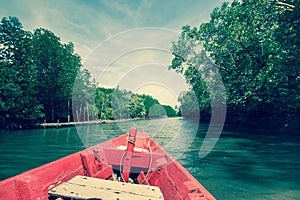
{"x":244,"y":164}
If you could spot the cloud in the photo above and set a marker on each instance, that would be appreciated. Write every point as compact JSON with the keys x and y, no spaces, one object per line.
{"x":136,"y":58}
{"x":111,"y":37}
{"x":132,"y":48}
{"x":156,"y":80}
{"x":88,"y":23}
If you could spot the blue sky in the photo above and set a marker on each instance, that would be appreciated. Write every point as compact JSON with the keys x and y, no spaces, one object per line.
{"x":97,"y":26}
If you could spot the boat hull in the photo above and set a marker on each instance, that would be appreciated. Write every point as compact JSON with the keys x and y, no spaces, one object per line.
{"x":149,"y":164}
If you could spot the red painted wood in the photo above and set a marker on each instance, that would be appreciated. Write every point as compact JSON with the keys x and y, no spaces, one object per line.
{"x":127,"y":155}
{"x":142,"y":178}
{"x":175,"y":182}
{"x":8,"y":189}
{"x":34,"y":184}
{"x":105,"y":173}
{"x":138,"y":159}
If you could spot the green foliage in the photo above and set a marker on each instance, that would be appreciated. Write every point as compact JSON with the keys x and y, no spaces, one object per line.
{"x":37,"y":75}
{"x":149,"y":101}
{"x":57,"y":67}
{"x":136,"y":106}
{"x":19,"y":105}
{"x":254,"y":46}
{"x":189,"y":106}
{"x":83,"y":97}
{"x":157,"y":111}
{"x":119,"y":103}
{"x":170,"y":111}
{"x":122,"y":104}
{"x":42,"y":80}
{"x":103,"y":99}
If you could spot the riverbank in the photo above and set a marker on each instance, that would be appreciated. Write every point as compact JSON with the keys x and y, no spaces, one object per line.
{"x":62,"y":124}
{"x":65,"y":124}
{"x":13,"y":126}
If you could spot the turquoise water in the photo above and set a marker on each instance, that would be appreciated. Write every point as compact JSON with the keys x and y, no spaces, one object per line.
{"x":244,"y":164}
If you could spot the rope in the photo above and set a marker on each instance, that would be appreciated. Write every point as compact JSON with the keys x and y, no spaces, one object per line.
{"x":121,"y":165}
{"x":131,"y":139}
{"x":150,"y":162}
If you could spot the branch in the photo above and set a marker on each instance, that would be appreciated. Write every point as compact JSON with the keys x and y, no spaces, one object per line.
{"x":248,"y":52}
{"x":285,"y":4}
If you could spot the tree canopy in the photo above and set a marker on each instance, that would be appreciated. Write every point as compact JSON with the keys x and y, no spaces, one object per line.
{"x":42,"y":79}
{"x":37,"y":75}
{"x":113,"y":103}
{"x":18,"y":93}
{"x":254,"y":46}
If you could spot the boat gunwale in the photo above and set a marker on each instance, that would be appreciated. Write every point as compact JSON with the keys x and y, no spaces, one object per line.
{"x":32,"y":185}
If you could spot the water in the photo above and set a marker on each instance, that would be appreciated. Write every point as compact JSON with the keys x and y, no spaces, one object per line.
{"x":244,"y":164}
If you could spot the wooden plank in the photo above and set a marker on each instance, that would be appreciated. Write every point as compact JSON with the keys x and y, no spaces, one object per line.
{"x":82,"y":187}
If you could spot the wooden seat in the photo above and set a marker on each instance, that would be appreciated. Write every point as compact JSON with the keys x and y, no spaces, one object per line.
{"x":84,"y":188}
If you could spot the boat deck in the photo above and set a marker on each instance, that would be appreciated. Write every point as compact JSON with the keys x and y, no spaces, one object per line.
{"x":83,"y":188}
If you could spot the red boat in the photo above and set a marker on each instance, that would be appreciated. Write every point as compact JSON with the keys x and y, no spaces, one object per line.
{"x":131,"y":166}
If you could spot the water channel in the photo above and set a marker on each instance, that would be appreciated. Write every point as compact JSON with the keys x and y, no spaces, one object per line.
{"x":244,"y":164}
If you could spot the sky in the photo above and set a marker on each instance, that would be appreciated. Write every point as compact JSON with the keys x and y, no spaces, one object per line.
{"x":122,"y":43}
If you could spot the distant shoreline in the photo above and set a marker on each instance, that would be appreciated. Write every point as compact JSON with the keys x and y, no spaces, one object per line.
{"x":65,"y":124}
{"x":104,"y":121}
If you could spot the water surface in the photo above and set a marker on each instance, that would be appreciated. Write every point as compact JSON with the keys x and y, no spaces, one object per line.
{"x":244,"y":164}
